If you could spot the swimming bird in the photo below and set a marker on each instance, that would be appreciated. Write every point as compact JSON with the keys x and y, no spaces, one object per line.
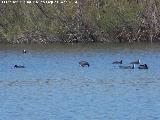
{"x":136,"y":62}
{"x":117,"y":62}
{"x":19,"y":66}
{"x":84,"y":63}
{"x":144,"y":66}
{"x":127,"y":67}
{"x":24,"y":51}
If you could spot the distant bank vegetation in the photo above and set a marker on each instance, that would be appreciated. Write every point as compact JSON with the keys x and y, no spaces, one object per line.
{"x":80,"y":21}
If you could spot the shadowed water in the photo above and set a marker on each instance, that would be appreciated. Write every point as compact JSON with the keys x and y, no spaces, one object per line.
{"x":54,"y":87}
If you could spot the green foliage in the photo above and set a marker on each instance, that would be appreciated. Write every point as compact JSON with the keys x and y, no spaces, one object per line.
{"x":97,"y":16}
{"x":116,"y":15}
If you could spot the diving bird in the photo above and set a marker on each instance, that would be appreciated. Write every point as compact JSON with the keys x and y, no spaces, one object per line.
{"x":117,"y":62}
{"x":136,"y":62}
{"x":127,"y":67}
{"x":19,"y":66}
{"x":84,"y":63}
{"x":143,"y":66}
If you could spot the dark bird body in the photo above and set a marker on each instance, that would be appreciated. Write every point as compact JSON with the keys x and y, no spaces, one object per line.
{"x":117,"y":62}
{"x":24,"y":51}
{"x":84,"y":63}
{"x":135,"y":62}
{"x":144,"y":66}
{"x":127,"y":67}
{"x":19,"y":66}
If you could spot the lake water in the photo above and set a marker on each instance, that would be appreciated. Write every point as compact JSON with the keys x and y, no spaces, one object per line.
{"x":54,"y":87}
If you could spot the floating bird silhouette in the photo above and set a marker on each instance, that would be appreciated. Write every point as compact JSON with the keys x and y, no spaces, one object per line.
{"x":127,"y":67}
{"x":117,"y":62}
{"x":24,"y":51}
{"x":136,"y":62}
{"x":143,"y":66}
{"x":84,"y":63}
{"x":19,"y":66}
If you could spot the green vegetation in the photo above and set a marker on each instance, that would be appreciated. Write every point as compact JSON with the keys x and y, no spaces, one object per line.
{"x":80,"y":21}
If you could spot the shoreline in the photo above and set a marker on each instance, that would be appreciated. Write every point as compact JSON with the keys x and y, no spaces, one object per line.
{"x":53,"y":39}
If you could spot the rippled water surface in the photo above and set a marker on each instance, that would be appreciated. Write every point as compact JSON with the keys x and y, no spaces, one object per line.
{"x":54,"y":87}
